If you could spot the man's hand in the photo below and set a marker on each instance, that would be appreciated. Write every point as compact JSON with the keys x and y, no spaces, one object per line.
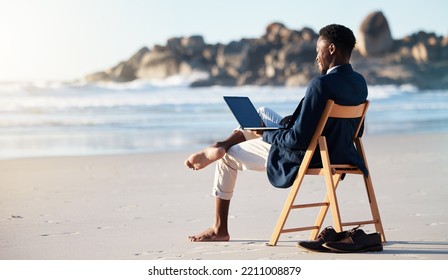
{"x":285,"y":121}
{"x":258,"y":132}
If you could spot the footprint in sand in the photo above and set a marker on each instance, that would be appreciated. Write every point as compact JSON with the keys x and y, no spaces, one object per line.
{"x":149,"y":253}
{"x":127,"y":207}
{"x":437,"y":224}
{"x":52,"y":222}
{"x":16,"y":217}
{"x":111,"y":227}
{"x":60,"y":234}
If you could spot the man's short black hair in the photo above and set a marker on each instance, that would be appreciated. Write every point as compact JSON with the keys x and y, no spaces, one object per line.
{"x":341,"y":36}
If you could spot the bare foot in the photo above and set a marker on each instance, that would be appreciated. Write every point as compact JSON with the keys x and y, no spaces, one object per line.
{"x":209,"y":236}
{"x":205,"y":157}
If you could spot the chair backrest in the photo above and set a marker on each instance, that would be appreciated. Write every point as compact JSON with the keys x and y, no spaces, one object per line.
{"x":333,"y":110}
{"x":350,"y":112}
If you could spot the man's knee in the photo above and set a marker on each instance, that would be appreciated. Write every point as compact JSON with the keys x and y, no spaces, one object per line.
{"x":262,"y":111}
{"x":232,"y":157}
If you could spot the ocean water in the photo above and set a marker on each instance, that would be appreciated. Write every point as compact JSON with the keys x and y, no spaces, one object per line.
{"x":64,"y":119}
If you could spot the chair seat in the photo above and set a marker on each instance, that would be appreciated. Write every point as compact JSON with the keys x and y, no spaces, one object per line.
{"x":336,"y":169}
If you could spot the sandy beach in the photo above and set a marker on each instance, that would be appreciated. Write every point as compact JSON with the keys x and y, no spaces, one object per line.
{"x":143,"y":206}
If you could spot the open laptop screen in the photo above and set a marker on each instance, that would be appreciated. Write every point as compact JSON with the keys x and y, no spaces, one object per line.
{"x":245,"y":113}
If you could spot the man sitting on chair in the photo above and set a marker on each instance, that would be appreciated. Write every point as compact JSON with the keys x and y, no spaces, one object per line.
{"x":280,"y":152}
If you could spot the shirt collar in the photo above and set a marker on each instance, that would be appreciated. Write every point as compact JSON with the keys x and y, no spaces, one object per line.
{"x":332,"y":68}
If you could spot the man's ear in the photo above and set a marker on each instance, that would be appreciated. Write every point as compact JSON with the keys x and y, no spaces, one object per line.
{"x":332,"y":48}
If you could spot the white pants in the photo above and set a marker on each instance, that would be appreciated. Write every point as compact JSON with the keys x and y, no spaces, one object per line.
{"x":251,"y":154}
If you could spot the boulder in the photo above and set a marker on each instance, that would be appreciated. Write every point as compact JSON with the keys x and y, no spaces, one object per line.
{"x":234,"y":56}
{"x":273,"y":33}
{"x":296,"y":80}
{"x":174,"y":45}
{"x":192,"y":45}
{"x":136,"y":59}
{"x":308,"y":34}
{"x":420,"y":52}
{"x":98,"y":76}
{"x":297,"y":54}
{"x":374,"y":36}
{"x":257,"y":50}
{"x":158,"y":64}
{"x":270,"y":61}
{"x":124,"y":71}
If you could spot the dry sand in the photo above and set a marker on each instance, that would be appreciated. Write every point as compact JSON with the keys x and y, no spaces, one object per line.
{"x":134,"y":207}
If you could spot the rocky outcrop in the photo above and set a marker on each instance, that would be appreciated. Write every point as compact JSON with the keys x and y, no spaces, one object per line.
{"x":283,"y":56}
{"x":374,"y":36}
{"x":125,"y":71}
{"x":420,"y":59}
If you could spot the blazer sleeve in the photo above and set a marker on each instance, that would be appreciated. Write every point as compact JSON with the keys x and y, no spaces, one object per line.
{"x":299,"y":136}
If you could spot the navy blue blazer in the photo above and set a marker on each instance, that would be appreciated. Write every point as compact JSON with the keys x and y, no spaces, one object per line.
{"x":345,"y":87}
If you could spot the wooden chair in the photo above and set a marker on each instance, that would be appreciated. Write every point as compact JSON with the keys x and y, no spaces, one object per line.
{"x":333,"y":174}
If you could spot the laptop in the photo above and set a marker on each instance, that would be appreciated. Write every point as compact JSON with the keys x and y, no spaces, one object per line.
{"x":245,"y":113}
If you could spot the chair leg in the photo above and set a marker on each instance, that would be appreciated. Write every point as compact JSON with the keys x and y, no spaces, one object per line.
{"x":374,"y":207}
{"x":324,"y":209}
{"x":371,"y":192}
{"x":334,"y":206}
{"x":287,"y":207}
{"x":331,"y":191}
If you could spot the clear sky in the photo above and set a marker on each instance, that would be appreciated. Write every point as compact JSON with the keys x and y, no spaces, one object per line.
{"x":67,"y":39}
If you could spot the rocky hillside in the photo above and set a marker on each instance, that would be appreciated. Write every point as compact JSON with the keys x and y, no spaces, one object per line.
{"x":283,"y":56}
